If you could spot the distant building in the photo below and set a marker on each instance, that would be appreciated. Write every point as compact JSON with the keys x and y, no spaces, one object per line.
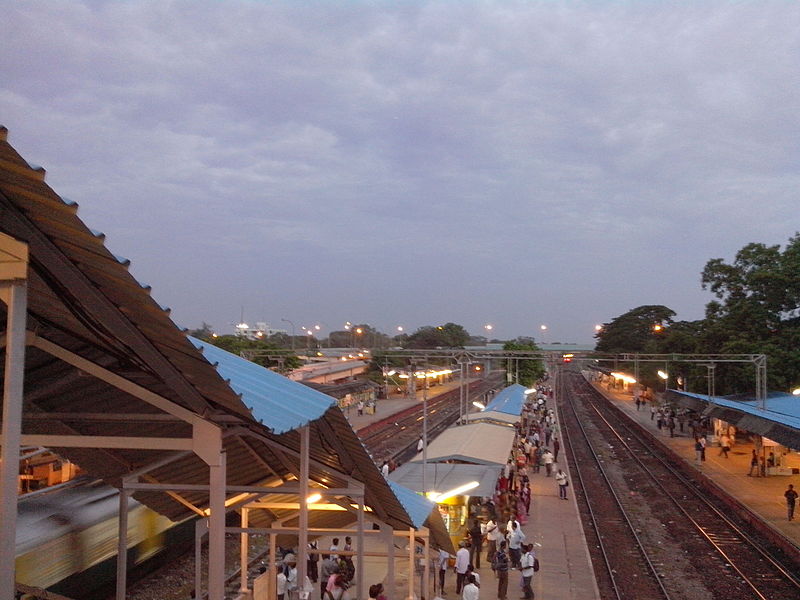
{"x":261,"y":331}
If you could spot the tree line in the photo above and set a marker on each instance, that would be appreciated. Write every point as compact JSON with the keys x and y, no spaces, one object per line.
{"x":755,"y":310}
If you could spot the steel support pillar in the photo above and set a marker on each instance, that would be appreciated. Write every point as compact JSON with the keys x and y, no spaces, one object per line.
{"x":122,"y":545}
{"x":411,"y":563}
{"x":216,"y":529}
{"x":244,"y":547}
{"x":390,"y":578}
{"x":360,"y":551}
{"x":16,"y":299}
{"x":302,"y":542}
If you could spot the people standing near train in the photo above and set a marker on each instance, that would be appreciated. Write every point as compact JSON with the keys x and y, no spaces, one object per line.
{"x":561,"y":480}
{"x":500,"y":568}
{"x":791,"y":499}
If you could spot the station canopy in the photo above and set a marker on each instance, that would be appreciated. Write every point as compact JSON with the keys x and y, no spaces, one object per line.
{"x":104,"y":359}
{"x":441,"y":477}
{"x":779,"y":420}
{"x":509,"y":400}
{"x":477,"y":444}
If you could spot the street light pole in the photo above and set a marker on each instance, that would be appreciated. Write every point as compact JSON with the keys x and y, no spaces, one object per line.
{"x":292,"y":324}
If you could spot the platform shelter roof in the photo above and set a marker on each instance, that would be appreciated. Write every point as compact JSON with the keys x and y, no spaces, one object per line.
{"x":779,"y":420}
{"x":478,"y":443}
{"x":104,"y":359}
{"x":494,"y":417}
{"x":509,"y":400}
{"x":441,"y":477}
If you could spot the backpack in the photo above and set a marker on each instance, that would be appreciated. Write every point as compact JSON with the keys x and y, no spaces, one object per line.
{"x":535,"y":564}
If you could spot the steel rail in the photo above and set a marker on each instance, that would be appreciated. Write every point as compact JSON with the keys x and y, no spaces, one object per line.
{"x":715,"y":511}
{"x":620,"y":505}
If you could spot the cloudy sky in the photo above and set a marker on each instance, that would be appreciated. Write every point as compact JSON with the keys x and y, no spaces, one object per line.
{"x":513,"y":163}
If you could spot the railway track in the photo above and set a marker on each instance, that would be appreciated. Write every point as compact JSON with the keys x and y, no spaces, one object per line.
{"x":657,"y":533}
{"x":397,"y":435}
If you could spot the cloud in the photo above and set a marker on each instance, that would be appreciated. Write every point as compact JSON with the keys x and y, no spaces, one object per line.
{"x":493,"y":141}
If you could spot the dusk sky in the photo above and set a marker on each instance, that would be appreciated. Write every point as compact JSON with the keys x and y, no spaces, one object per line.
{"x":412,"y":163}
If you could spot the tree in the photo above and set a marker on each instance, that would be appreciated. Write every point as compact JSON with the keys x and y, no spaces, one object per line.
{"x":265,"y":354}
{"x":530,"y":369}
{"x":204,"y":332}
{"x":449,"y":335}
{"x":637,"y":330}
{"x":757,"y":310}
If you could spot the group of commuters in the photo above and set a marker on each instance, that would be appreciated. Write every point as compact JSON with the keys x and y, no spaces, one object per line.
{"x":535,"y":451}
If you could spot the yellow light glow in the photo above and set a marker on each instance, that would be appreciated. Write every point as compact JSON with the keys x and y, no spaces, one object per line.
{"x":479,"y":405}
{"x":456,"y":491}
{"x":626,"y":378}
{"x":796,"y":392}
{"x":664,"y":375}
{"x":314,"y":498}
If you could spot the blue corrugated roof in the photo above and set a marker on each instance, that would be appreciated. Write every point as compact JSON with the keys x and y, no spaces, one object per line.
{"x":509,"y":400}
{"x":781,"y":408}
{"x":279,"y":403}
{"x":418,"y":507}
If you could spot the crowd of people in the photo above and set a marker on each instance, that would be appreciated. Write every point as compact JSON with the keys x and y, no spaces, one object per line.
{"x":497,"y":526}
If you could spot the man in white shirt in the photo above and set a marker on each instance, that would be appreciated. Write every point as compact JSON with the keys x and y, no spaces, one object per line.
{"x":462,"y":563}
{"x":526,"y":567}
{"x":515,"y":538}
{"x":471,"y":591}
{"x":442,"y":561}
{"x":493,"y":535}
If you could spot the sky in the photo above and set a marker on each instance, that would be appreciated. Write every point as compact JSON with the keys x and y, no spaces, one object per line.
{"x":414,"y":163}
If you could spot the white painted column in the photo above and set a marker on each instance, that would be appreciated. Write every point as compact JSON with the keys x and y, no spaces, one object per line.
{"x":245,"y":546}
{"x":200,"y":527}
{"x":122,"y":545}
{"x":390,"y":552}
{"x":302,"y":541}
{"x":360,"y":551}
{"x":426,"y":588}
{"x":411,"y":575}
{"x":272,"y":586}
{"x":216,"y":530}
{"x":16,"y":298}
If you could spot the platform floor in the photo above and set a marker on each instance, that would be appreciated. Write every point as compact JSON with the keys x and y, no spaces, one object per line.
{"x":762,"y":495}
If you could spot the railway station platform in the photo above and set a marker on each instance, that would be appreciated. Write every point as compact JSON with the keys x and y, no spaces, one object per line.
{"x":763,"y":496}
{"x":553,"y":526}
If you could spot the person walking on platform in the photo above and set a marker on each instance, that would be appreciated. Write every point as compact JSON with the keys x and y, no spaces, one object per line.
{"x":462,"y":562}
{"x":444,"y":558}
{"x":493,"y":536}
{"x":671,"y":426}
{"x":556,"y":447}
{"x":698,"y":452}
{"x":327,"y":568}
{"x":791,"y":499}
{"x":500,"y":568}
{"x":515,"y":539}
{"x":527,"y":571}
{"x":547,"y":458}
{"x":703,"y":443}
{"x":561,"y":480}
{"x":475,"y":543}
{"x":753,"y":464}
{"x":724,"y":445}
{"x":471,"y":590}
